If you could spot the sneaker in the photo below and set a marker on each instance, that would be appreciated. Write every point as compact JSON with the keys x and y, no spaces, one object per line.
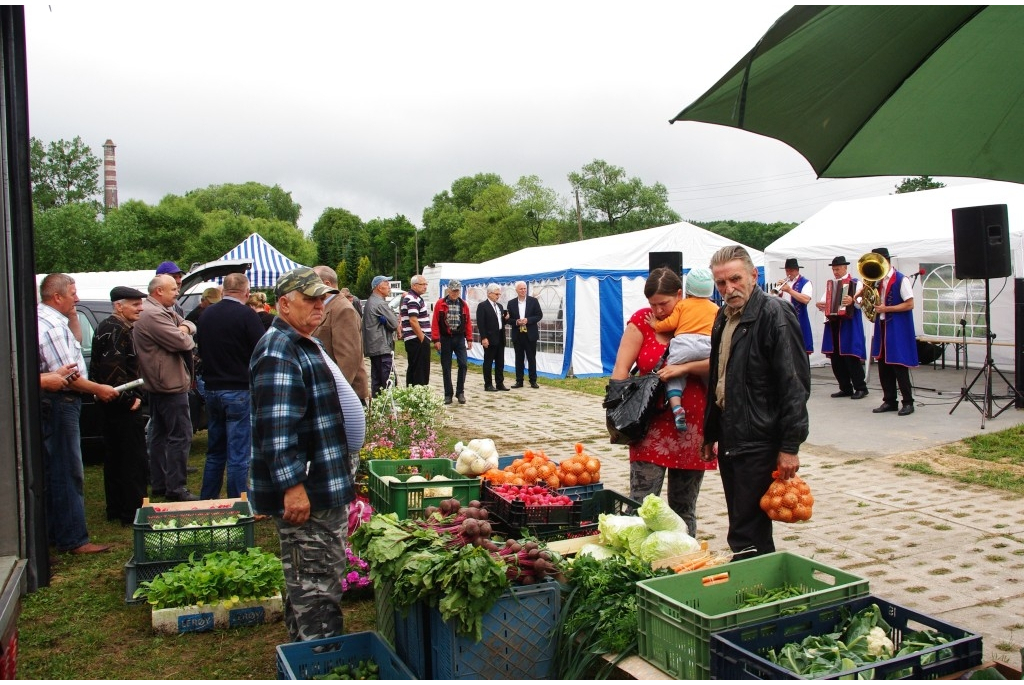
{"x":680,"y":418}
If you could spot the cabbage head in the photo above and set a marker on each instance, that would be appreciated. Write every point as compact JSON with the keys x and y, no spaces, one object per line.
{"x":667,"y":543}
{"x":659,"y":516}
{"x":614,"y":529}
{"x":597,"y":551}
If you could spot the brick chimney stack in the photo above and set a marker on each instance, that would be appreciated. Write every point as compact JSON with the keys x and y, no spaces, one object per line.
{"x":109,"y":176}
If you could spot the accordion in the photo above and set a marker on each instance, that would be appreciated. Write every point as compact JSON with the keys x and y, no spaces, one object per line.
{"x":834,"y":293}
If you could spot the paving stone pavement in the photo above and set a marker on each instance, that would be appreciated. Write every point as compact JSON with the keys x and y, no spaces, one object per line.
{"x":952,"y":551}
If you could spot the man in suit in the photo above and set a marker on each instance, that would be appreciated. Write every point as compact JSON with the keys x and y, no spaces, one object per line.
{"x":490,"y":321}
{"x":523,"y":314}
{"x":340,"y":331}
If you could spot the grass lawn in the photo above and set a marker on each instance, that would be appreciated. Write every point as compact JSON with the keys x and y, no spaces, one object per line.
{"x":81,"y":628}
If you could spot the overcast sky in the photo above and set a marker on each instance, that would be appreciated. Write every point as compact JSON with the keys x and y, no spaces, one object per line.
{"x":377,"y":106}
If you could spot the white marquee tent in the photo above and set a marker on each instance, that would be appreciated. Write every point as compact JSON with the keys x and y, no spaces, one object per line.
{"x":587,"y":289}
{"x":917,"y":228}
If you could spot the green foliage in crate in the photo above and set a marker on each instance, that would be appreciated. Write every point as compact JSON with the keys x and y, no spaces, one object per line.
{"x":227,"y":577}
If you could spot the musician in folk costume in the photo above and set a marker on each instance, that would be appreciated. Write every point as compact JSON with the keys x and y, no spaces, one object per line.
{"x":798,"y":291}
{"x":843,"y":341}
{"x":894,"y":343}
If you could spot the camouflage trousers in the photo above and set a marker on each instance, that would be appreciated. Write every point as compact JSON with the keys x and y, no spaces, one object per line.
{"x":313,"y":556}
{"x":646,"y":478}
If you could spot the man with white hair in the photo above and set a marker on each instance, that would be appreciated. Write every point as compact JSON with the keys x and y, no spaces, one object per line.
{"x":491,"y":320}
{"x":164,"y":343}
{"x":524,"y":313}
{"x":415,"y":317}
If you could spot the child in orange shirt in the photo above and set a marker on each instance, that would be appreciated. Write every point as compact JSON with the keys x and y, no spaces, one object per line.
{"x":690,"y":321}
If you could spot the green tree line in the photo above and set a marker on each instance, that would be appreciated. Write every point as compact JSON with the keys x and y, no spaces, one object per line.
{"x":477,"y":218}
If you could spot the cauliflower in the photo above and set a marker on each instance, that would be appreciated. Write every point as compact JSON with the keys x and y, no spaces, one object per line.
{"x":879,"y":644}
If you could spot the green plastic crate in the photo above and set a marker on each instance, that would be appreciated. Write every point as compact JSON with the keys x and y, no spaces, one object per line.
{"x":176,"y":544}
{"x":678,"y":613}
{"x":408,"y":500}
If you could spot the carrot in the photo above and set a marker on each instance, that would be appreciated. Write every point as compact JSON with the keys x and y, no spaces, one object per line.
{"x":715,"y":579}
{"x":691,"y":565}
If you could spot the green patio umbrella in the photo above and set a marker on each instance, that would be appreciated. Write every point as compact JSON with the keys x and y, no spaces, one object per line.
{"x":884,"y":90}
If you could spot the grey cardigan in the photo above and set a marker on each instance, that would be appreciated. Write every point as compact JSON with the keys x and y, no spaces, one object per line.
{"x":378,"y":336}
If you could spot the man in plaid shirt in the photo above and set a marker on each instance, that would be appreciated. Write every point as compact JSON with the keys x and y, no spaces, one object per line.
{"x":307,"y":429}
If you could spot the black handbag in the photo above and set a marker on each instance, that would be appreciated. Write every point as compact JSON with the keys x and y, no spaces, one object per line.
{"x":630,"y":404}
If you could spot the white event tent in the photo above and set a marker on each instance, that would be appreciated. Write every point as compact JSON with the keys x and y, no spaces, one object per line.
{"x":917,"y":228}
{"x":587,"y":290}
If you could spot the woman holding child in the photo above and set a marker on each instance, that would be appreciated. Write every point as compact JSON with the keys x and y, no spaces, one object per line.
{"x":665,"y":447}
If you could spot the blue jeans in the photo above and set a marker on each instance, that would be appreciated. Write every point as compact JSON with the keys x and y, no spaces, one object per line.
{"x":228,"y":436}
{"x":453,"y":344}
{"x":65,"y":475}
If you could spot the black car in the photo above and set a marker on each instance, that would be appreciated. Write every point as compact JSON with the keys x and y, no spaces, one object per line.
{"x":92,"y":312}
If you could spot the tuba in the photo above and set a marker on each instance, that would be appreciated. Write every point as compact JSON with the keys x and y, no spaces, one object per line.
{"x":872,"y":268}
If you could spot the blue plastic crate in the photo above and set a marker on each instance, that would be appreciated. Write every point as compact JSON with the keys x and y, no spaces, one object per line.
{"x":305,"y":660}
{"x":405,"y":632}
{"x":581,"y":492}
{"x":737,"y":654}
{"x":519,"y":640}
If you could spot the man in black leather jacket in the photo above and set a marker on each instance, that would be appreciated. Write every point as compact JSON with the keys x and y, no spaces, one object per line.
{"x":757,"y":408}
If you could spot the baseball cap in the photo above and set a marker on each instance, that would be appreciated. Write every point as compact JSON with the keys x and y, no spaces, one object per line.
{"x":168,"y":268}
{"x":377,"y":280}
{"x":454,"y":284}
{"x":304,"y":280}
{"x":123,"y":292}
{"x":700,"y":282}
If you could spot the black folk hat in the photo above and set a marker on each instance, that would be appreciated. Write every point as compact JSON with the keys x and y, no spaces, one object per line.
{"x":884,"y":251}
{"x":791,"y":263}
{"x":840,"y":261}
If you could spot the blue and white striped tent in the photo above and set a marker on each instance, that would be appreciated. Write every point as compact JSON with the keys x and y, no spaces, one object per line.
{"x":267,"y":262}
{"x":587,"y":290}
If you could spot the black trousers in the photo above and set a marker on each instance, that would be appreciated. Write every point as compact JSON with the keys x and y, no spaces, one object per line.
{"x":745,"y":479}
{"x":418,"y":371}
{"x":494,"y":356}
{"x":893,"y":375}
{"x":526,"y":349}
{"x":125,"y":462}
{"x":847,"y":369}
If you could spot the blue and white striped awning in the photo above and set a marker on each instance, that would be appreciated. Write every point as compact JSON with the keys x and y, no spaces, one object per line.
{"x":267,"y":262}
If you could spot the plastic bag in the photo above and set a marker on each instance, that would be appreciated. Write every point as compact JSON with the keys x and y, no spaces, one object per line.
{"x":629,"y":405}
{"x":788,"y":501}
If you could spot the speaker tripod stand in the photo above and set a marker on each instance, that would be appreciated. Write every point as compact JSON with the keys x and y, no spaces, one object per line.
{"x":985,"y":401}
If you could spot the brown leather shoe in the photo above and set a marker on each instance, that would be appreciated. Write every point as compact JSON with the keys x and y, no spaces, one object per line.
{"x":90,"y":548}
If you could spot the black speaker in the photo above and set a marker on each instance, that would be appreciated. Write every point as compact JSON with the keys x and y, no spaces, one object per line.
{"x":981,"y":242}
{"x":671,"y":260}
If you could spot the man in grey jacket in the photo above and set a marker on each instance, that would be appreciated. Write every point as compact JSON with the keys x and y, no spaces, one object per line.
{"x":163,"y":343}
{"x":379,"y":325}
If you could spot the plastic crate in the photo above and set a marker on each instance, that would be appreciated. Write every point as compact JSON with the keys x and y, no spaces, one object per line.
{"x":603,"y":502}
{"x":176,"y":544}
{"x":513,"y":516}
{"x":305,"y":660}
{"x":581,"y":492}
{"x":408,"y":499}
{"x":405,"y":632}
{"x":519,"y":640}
{"x":678,"y":613}
{"x":737,"y":654}
{"x":137,"y":573}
